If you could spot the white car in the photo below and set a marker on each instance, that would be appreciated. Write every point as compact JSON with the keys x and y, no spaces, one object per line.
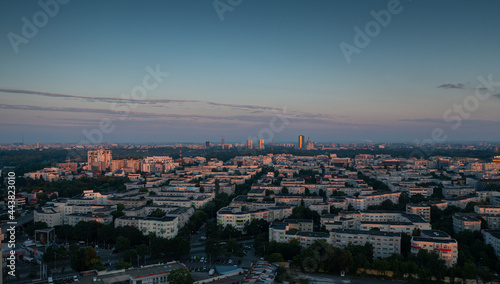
{"x":50,"y":280}
{"x":230,"y":261}
{"x":75,"y":278}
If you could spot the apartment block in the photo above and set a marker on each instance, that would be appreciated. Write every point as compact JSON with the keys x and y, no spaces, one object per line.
{"x":164,"y":227}
{"x":237,"y":218}
{"x":463,"y":222}
{"x":446,"y":248}
{"x":492,"y":237}
{"x":421,"y":210}
{"x":363,"y":201}
{"x":384,"y":243}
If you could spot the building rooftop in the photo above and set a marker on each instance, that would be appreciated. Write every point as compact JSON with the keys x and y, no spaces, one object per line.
{"x":434,"y":234}
{"x":372,"y":233}
{"x":466,"y":218}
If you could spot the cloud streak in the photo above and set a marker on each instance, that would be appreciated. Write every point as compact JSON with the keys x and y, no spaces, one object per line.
{"x":452,"y":86}
{"x":149,"y":116}
{"x":137,"y":101}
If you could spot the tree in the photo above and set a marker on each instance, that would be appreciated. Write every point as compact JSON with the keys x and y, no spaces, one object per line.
{"x":49,"y":254}
{"x":120,"y":207}
{"x":122,"y":265}
{"x":143,"y":189}
{"x":130,"y":256}
{"x":284,"y":190}
{"x":116,"y":214}
{"x":275,"y":257}
{"x":180,"y":276}
{"x":122,"y":243}
{"x":469,"y":270}
{"x":143,"y":250}
{"x":157,"y":213}
{"x":213,"y":248}
{"x":30,"y":230}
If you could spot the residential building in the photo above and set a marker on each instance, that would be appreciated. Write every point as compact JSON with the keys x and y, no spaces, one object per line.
{"x":164,"y":227}
{"x":421,"y":210}
{"x":463,"y":222}
{"x":446,"y":248}
{"x":363,"y":201}
{"x":384,"y":243}
{"x":492,"y":237}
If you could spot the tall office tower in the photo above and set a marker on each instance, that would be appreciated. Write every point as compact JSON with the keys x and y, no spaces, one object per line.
{"x":250,"y":144}
{"x":301,"y":142}
{"x":261,"y":144}
{"x":208,"y":144}
{"x":38,"y":145}
{"x":222,"y":142}
{"x":99,"y":160}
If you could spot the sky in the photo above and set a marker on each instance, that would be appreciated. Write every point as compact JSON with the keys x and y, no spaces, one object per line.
{"x":191,"y":71}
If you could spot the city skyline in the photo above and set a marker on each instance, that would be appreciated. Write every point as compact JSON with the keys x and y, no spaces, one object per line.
{"x":253,"y":71}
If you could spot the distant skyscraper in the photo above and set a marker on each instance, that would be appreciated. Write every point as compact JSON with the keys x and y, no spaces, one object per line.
{"x":301,"y":141}
{"x":222,"y":142}
{"x":38,"y":145}
{"x":309,"y":144}
{"x":261,"y":144}
{"x":208,"y":144}
{"x":250,"y":144}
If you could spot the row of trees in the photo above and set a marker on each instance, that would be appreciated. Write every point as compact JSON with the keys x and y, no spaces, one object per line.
{"x":323,"y":257}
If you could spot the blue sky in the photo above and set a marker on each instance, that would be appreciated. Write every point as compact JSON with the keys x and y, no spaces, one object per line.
{"x":233,"y":77}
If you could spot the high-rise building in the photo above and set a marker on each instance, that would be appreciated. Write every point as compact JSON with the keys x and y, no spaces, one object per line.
{"x":222,"y":143}
{"x":261,"y":144}
{"x":301,"y":141}
{"x":38,"y":145}
{"x":208,"y":144}
{"x":309,"y":144}
{"x":99,"y":160}
{"x":250,"y":144}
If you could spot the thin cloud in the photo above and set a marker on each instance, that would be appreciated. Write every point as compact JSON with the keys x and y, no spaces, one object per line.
{"x":451,"y":86}
{"x":137,"y":101}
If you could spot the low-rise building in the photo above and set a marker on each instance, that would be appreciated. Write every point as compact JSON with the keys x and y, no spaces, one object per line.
{"x":74,"y":218}
{"x":446,"y":248}
{"x":487,"y":209}
{"x":492,"y":237}
{"x":49,"y":215}
{"x":164,"y":227}
{"x":237,"y":218}
{"x":463,"y":222}
{"x":363,"y":201}
{"x":422,"y":210}
{"x":384,"y":243}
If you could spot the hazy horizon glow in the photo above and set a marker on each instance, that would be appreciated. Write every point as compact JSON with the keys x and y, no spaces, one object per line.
{"x":232,"y":78}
